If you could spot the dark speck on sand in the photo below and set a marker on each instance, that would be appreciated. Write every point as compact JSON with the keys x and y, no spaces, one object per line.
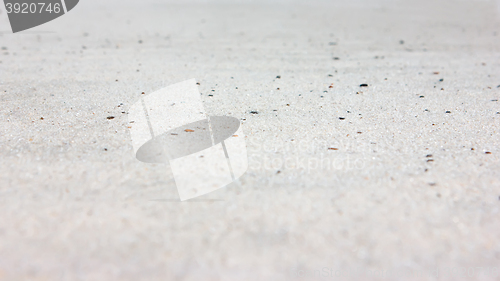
{"x":363,"y":85}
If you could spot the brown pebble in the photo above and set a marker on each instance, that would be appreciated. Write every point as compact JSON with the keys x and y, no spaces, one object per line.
{"x":143,"y":93}
{"x":188,"y":130}
{"x":487,"y":152}
{"x":435,"y":72}
{"x":428,"y":155}
{"x":430,"y":160}
{"x":235,"y":136}
{"x":332,"y":148}
{"x":110,"y":117}
{"x":41,"y":118}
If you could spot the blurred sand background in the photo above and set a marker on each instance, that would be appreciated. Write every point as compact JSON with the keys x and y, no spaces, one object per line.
{"x":398,"y":184}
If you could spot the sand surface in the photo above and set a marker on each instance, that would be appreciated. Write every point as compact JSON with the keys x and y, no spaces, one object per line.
{"x":374,"y":180}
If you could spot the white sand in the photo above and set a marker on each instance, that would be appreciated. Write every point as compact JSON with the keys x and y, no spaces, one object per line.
{"x":76,"y":205}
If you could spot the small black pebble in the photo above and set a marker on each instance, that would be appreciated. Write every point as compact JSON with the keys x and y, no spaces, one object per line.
{"x":336,"y":58}
{"x":110,"y":117}
{"x":441,"y":80}
{"x":254,"y":112}
{"x":210,"y":95}
{"x":428,"y":155}
{"x":105,"y":149}
{"x":341,"y":118}
{"x":447,"y":111}
{"x":278,"y":77}
{"x":421,"y":97}
{"x":363,"y":85}
{"x":329,"y":75}
{"x":494,"y":100}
